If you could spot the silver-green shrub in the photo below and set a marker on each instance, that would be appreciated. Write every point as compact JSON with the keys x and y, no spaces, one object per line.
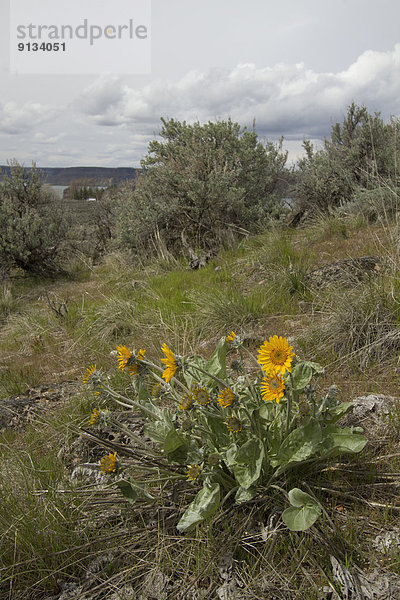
{"x":32,"y":225}
{"x":200,"y":182}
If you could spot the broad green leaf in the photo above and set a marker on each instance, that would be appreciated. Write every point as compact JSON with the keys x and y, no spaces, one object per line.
{"x":193,"y":375}
{"x":230,"y":455}
{"x":300,"y":445}
{"x":304,"y":511}
{"x":339,"y":440}
{"x":218,"y":428}
{"x":217,"y":363}
{"x":300,"y":518}
{"x":249,"y":460}
{"x":143,"y":393}
{"x":302,"y":374}
{"x":204,"y":505}
{"x":173,"y":441}
{"x":299,"y":498}
{"x":243,"y":495}
{"x":158,"y":431}
{"x":132,"y":491}
{"x":267,"y":411}
{"x":317,"y":369}
{"x":334,"y":413}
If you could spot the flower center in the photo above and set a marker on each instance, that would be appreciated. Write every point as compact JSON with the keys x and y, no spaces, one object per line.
{"x":274,"y":384}
{"x":278,"y":357}
{"x":202,"y":397}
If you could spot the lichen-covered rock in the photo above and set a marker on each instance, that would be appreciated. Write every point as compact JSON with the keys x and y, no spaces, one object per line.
{"x":346,"y":272}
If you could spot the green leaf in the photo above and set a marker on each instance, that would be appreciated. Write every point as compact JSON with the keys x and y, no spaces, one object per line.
{"x":248,"y":463}
{"x":243,"y":495}
{"x":299,"y":445}
{"x":300,"y":518}
{"x":173,"y":440}
{"x":230,"y":455}
{"x":218,"y":428}
{"x":339,"y":440}
{"x":217,"y":363}
{"x":158,"y":431}
{"x":334,"y":413}
{"x":316,"y":368}
{"x":302,"y":374}
{"x":203,"y":506}
{"x":267,"y":411}
{"x":143,"y":394}
{"x":299,"y":498}
{"x":132,"y":491}
{"x":194,"y":375}
{"x":303,"y":513}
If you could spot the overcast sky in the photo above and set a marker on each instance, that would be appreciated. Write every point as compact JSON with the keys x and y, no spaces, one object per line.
{"x":292,"y":65}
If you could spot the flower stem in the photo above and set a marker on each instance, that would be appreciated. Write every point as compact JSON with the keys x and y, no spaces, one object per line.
{"x":251,"y":387}
{"x":253,"y":358}
{"x":290,"y":399}
{"x":223,"y":384}
{"x":127,"y":402}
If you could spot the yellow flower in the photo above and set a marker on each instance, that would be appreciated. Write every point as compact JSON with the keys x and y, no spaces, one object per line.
{"x":94,"y":417}
{"x":90,"y":371}
{"x":193,"y":471}
{"x":275,"y":356}
{"x":186,"y":402}
{"x":230,"y":338}
{"x":127,"y":360}
{"x":226,"y":397}
{"x":201,"y":396}
{"x":108,"y":464}
{"x":272,"y":388}
{"x":233,"y":424}
{"x":124,"y":354}
{"x":170,"y":362}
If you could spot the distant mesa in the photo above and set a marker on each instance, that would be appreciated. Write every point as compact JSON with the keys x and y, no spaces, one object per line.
{"x":66,"y":175}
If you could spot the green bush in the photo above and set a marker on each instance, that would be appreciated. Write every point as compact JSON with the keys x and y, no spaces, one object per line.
{"x":380,"y":203}
{"x":32,"y":227}
{"x":361,"y":154}
{"x":199,"y":183}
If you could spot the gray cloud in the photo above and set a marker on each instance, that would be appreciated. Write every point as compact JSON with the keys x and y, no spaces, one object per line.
{"x":110,"y":122}
{"x":289,"y":100}
{"x":18,"y":118}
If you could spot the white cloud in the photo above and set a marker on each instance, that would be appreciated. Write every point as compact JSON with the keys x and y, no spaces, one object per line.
{"x":110,"y":122}
{"x":284,"y":99}
{"x":18,"y":118}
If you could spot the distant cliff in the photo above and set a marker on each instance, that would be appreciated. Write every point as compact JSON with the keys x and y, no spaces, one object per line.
{"x":98,"y":175}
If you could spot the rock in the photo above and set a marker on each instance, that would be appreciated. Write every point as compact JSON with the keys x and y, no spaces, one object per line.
{"x":373,"y":406}
{"x":346,"y":272}
{"x":17,"y":411}
{"x":371,"y":586}
{"x":155,"y":586}
{"x":386,"y":541}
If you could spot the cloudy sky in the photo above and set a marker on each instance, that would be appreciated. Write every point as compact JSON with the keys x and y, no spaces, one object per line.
{"x":292,"y":65}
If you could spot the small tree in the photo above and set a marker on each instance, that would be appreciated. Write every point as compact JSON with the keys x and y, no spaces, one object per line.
{"x":32,"y":226}
{"x":201,"y":181}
